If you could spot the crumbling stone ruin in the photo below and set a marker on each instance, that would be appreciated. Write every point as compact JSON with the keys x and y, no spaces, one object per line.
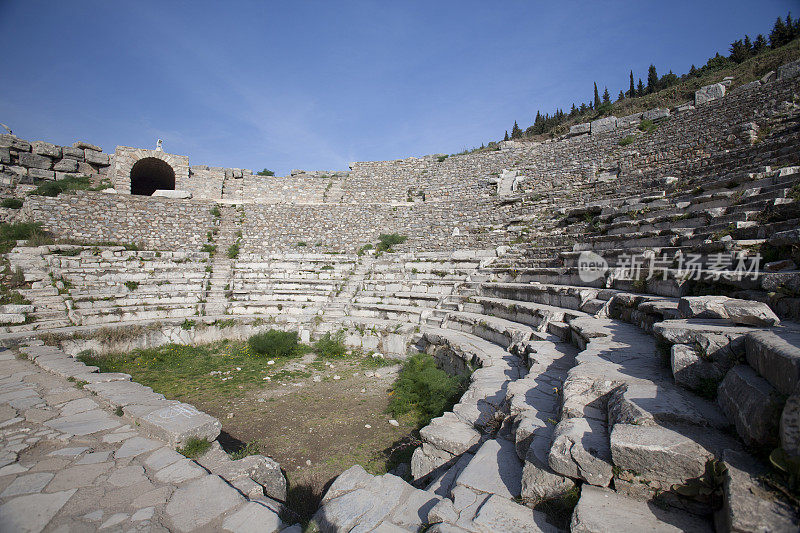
{"x":631,"y":310}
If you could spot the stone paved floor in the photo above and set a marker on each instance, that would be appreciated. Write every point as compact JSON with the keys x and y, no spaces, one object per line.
{"x":68,"y":465}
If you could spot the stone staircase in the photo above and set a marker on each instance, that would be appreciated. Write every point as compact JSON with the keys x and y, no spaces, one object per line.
{"x":221,"y":277}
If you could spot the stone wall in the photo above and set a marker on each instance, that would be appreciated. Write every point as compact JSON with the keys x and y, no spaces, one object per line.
{"x":23,"y":162}
{"x":156,"y":223}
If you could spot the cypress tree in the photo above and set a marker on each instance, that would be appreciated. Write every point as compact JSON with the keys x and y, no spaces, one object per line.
{"x":652,"y":79}
{"x":621,"y":96}
{"x":760,"y":44}
{"x":632,"y":91}
{"x":506,"y":137}
{"x":640,"y":88}
{"x":596,"y":96}
{"x":516,"y":133}
{"x":606,"y":96}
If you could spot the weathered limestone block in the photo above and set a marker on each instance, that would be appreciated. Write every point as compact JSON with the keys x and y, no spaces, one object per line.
{"x":72,"y":153}
{"x":176,"y":424}
{"x":426,"y":459}
{"x":603,"y":510}
{"x":658,"y":453}
{"x":745,"y":312}
{"x":776,"y":357}
{"x":12,"y":141}
{"x":495,"y":469}
{"x":539,"y":482}
{"x":31,"y":160}
{"x":5,"y":155}
{"x":45,"y":148}
{"x":751,"y":403}
{"x":747,"y":504}
{"x":655,"y":114}
{"x":691,"y":370}
{"x":83,"y":145}
{"x":66,"y":165}
{"x":581,"y":450}
{"x":604,"y":125}
{"x":41,"y":174}
{"x":579,"y":129}
{"x":95,"y":157}
{"x":708,"y":93}
{"x":451,"y":434}
{"x":262,"y":470}
{"x":629,"y":120}
{"x":195,"y":505}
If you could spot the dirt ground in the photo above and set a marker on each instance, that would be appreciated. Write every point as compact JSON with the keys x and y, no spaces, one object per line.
{"x":317,"y":418}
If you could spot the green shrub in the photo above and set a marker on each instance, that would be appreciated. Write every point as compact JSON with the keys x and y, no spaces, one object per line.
{"x":187,"y":324}
{"x":194,"y":448}
{"x":12,"y":203}
{"x":363,"y":249}
{"x":302,"y":243}
{"x":233,"y":250}
{"x":647,"y":126}
{"x":424,"y":390}
{"x":625,"y":141}
{"x":266,"y":172}
{"x":331,"y":345}
{"x":132,"y":285}
{"x":275,"y":343}
{"x":441,"y":158}
{"x":210,"y":248}
{"x":387,"y":240}
{"x":215,"y":212}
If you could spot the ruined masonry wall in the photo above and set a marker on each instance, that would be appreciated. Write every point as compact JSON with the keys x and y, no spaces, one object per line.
{"x":23,"y":162}
{"x":157,"y":223}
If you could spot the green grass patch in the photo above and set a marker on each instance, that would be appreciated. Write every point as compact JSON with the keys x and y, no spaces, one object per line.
{"x":424,"y":390}
{"x":233,"y":250}
{"x":132,"y":285}
{"x":10,"y":233}
{"x":215,"y":212}
{"x":11,"y":203}
{"x":251,"y":448}
{"x":194,"y":448}
{"x":647,"y":126}
{"x":625,"y":141}
{"x":181,"y":372}
{"x":77,"y":183}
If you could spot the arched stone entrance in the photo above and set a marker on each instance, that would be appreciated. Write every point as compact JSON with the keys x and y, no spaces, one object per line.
{"x":151,"y":174}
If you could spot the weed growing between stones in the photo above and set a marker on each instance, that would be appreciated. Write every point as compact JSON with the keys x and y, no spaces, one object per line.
{"x":11,"y":203}
{"x":79,"y":183}
{"x":331,"y":345}
{"x":194,"y":448}
{"x":387,"y":240}
{"x":251,"y":448}
{"x":276,"y":343}
{"x":424,"y":390}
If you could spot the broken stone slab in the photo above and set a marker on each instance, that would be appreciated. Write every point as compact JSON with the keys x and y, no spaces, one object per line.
{"x":176,"y":424}
{"x":692,"y":371}
{"x":539,"y":482}
{"x":495,"y":469}
{"x":581,"y":450}
{"x":264,"y":471}
{"x":789,"y":70}
{"x":579,"y":129}
{"x":83,"y":145}
{"x":427,"y":459}
{"x":602,"y":510}
{"x":32,"y":512}
{"x":742,"y":312}
{"x":443,"y":483}
{"x":253,"y":517}
{"x":665,"y":455}
{"x":747,"y":505}
{"x":451,"y":434}
{"x":501,"y":514}
{"x":649,"y":403}
{"x":359,"y":502}
{"x":45,"y":148}
{"x":776,"y":356}
{"x":197,"y":504}
{"x":708,"y":93}
{"x":655,"y":114}
{"x":752,"y":404}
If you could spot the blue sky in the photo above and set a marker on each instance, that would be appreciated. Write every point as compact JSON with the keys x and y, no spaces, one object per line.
{"x":317,"y":84}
